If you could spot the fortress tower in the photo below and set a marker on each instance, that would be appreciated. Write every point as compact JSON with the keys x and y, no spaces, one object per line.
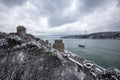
{"x":21,"y":30}
{"x":59,"y":45}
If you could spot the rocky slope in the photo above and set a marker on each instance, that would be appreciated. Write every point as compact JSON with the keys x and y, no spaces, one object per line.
{"x":30,"y":58}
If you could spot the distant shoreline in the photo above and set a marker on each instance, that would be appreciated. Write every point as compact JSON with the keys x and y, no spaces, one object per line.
{"x":100,"y":35}
{"x":90,"y":39}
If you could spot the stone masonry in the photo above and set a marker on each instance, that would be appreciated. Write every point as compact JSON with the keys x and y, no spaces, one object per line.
{"x":59,"y":45}
{"x":21,"y":31}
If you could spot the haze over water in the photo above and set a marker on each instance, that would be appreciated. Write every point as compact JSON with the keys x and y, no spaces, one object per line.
{"x":105,"y":53}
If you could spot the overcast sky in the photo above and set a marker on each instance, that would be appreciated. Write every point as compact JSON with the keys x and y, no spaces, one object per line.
{"x":60,"y":17}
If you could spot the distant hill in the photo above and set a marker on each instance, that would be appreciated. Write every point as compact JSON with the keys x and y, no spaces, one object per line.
{"x":99,"y":35}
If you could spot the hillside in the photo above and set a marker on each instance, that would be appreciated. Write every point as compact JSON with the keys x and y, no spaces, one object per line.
{"x":30,"y":58}
{"x":100,"y":35}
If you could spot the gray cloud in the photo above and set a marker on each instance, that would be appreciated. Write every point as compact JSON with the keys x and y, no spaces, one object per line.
{"x":12,"y":3}
{"x":109,"y":27}
{"x":118,"y":3}
{"x":64,"y":15}
{"x":114,"y":26}
{"x":54,"y":9}
{"x":90,"y":5}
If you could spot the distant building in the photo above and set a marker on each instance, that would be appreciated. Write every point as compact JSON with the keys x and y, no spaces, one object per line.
{"x":59,"y":45}
{"x":21,"y":30}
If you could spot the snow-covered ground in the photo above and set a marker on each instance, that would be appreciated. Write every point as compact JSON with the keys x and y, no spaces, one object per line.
{"x":28,"y":58}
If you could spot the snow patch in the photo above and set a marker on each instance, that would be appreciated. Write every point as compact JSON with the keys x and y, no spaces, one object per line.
{"x":21,"y":57}
{"x":15,"y":37}
{"x":41,"y":59}
{"x":3,"y":42}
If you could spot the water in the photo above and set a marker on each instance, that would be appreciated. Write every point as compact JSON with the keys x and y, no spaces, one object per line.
{"x":105,"y":53}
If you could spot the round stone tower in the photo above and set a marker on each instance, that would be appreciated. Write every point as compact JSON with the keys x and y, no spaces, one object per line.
{"x":21,"y":31}
{"x":59,"y":45}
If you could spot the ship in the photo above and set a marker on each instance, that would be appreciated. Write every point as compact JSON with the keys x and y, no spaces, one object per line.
{"x":80,"y":45}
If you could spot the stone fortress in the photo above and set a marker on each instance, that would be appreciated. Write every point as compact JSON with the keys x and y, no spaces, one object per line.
{"x":59,"y":45}
{"x":88,"y":67}
{"x":21,"y":31}
{"x":21,"y":51}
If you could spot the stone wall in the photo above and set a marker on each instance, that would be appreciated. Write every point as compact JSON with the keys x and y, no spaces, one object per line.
{"x":59,"y":45}
{"x":21,"y":30}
